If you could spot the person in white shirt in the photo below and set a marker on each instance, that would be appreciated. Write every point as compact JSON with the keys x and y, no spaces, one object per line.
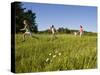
{"x":53,"y":30}
{"x":27,"y":29}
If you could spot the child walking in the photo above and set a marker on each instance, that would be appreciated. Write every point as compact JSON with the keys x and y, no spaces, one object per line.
{"x":27,"y":29}
{"x":81,"y":31}
{"x":53,"y":30}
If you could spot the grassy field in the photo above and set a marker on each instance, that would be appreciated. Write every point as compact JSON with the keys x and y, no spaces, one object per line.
{"x":66,"y":52}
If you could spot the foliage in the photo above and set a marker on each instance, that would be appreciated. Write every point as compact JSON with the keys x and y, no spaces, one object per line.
{"x":21,"y":14}
{"x":63,"y":30}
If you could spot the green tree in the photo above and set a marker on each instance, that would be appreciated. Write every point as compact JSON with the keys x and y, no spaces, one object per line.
{"x":18,"y":15}
{"x":63,"y":30}
{"x":21,"y":15}
{"x":30,"y":16}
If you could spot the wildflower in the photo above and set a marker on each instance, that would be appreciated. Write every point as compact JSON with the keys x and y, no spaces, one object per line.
{"x":59,"y":54}
{"x":47,"y":59}
{"x":54,"y":56}
{"x":50,"y":54}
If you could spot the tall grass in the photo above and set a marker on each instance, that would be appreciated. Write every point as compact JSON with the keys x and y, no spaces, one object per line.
{"x":75,"y":53}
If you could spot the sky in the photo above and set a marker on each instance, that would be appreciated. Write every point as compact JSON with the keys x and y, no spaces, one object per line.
{"x":66,"y":16}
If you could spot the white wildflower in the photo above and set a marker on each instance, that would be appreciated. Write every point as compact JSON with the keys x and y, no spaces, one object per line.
{"x":54,"y":56}
{"x":47,"y":59}
{"x":59,"y":54}
{"x":50,"y":54}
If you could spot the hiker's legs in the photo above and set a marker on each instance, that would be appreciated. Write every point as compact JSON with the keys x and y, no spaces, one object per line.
{"x":81,"y":34}
{"x":53,"y":36}
{"x":24,"y":37}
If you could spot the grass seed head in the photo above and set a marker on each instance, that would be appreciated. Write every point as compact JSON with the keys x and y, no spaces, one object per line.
{"x":59,"y":54}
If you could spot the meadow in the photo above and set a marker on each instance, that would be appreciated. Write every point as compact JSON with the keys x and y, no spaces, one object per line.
{"x":65,"y":52}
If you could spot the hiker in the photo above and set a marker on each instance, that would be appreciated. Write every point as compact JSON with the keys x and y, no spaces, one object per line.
{"x":81,"y":31}
{"x":53,"y":30}
{"x":27,"y":29}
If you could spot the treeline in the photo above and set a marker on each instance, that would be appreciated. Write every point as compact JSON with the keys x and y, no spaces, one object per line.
{"x":21,"y":14}
{"x":66,"y":31}
{"x":60,"y":30}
